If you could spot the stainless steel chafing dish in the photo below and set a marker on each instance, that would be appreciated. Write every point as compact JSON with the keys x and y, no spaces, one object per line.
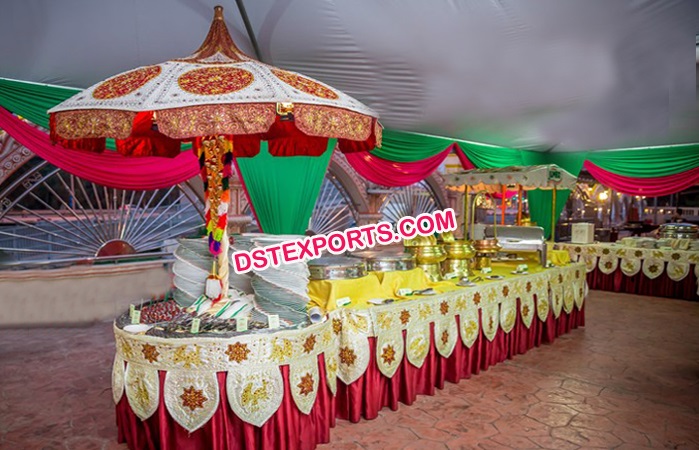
{"x":386,"y":261}
{"x":336,"y":268}
{"x":678,"y":231}
{"x":514,"y":239}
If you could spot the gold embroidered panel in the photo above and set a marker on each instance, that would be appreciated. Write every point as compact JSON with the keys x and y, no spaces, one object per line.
{"x":254,"y":383}
{"x":632,"y":260}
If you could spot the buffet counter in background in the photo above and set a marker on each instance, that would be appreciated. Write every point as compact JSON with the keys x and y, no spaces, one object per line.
{"x":643,"y":271}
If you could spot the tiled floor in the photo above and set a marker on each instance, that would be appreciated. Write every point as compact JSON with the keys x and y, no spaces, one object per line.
{"x":629,"y":380}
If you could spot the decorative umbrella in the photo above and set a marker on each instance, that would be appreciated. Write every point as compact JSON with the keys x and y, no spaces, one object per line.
{"x":548,"y":176}
{"x":225,"y":103}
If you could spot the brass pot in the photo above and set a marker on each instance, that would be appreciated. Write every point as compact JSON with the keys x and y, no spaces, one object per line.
{"x":459,"y":267}
{"x":446,"y":238}
{"x":459,"y":249}
{"x":419,"y":241}
{"x":481,"y":261}
{"x":434,"y":254}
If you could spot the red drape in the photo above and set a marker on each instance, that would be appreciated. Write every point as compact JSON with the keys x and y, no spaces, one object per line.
{"x":391,"y":173}
{"x":640,"y":284}
{"x":287,"y":429}
{"x":108,"y":168}
{"x":373,"y":391}
{"x":650,"y":187}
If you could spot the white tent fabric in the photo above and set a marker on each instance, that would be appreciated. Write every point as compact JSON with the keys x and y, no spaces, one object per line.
{"x":522,"y":73}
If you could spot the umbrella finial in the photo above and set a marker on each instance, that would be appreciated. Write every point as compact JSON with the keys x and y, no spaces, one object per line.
{"x":218,"y":12}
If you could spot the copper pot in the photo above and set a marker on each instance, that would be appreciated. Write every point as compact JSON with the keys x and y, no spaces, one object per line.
{"x":486,"y":246}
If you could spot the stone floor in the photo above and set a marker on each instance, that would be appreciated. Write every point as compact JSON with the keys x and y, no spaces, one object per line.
{"x":629,"y":380}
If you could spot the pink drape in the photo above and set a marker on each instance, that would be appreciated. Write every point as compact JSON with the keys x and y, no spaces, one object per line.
{"x":650,"y":187}
{"x":391,"y":173}
{"x":108,"y":168}
{"x":463,"y":159}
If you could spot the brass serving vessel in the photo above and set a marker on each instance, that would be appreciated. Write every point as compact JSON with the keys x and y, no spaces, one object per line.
{"x":485,"y":249}
{"x":428,"y":254}
{"x":458,"y":261}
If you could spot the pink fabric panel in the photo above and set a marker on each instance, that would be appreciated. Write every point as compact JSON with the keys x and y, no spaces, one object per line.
{"x":390,"y":173}
{"x":650,"y":187}
{"x":108,"y":168}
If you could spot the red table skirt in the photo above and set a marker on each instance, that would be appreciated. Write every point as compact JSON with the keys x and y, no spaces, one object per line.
{"x":288,"y":428}
{"x":640,"y":284}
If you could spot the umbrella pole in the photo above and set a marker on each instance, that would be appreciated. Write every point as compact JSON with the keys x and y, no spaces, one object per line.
{"x":222,"y":261}
{"x":553,"y":215}
{"x":503,"y":205}
{"x":519,"y":205}
{"x":466,"y":216}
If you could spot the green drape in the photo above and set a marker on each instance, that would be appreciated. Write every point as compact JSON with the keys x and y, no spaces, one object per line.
{"x":401,"y":146}
{"x":488,"y":156}
{"x":283,"y":189}
{"x":647,"y":162}
{"x":31,"y":100}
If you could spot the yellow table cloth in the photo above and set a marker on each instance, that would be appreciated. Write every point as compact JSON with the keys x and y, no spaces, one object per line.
{"x":325,"y":293}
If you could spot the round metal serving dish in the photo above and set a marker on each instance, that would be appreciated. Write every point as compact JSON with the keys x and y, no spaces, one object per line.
{"x":678,"y":231}
{"x":336,"y":268}
{"x":384,"y":261}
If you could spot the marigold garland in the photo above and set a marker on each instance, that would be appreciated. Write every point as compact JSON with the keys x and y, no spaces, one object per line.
{"x":215,"y":159}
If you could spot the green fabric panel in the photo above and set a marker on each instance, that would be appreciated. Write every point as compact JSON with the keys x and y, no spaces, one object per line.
{"x":487,"y":156}
{"x":283,"y":190}
{"x":648,"y":162}
{"x":401,"y":146}
{"x":31,"y":100}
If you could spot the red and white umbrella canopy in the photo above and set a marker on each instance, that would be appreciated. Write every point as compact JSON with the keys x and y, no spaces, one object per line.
{"x":218,"y":90}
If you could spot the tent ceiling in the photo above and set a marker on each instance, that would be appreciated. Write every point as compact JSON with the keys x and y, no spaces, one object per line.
{"x":578,"y":75}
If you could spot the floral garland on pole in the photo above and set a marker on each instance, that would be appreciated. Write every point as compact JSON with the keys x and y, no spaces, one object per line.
{"x":215,"y":160}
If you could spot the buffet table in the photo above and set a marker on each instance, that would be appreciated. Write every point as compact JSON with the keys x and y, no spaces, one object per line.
{"x":285,"y":388}
{"x":642,"y":271}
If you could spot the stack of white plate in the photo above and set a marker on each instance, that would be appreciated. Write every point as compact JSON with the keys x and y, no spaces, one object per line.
{"x":241,"y":281}
{"x":192,"y":266}
{"x":281,"y":290}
